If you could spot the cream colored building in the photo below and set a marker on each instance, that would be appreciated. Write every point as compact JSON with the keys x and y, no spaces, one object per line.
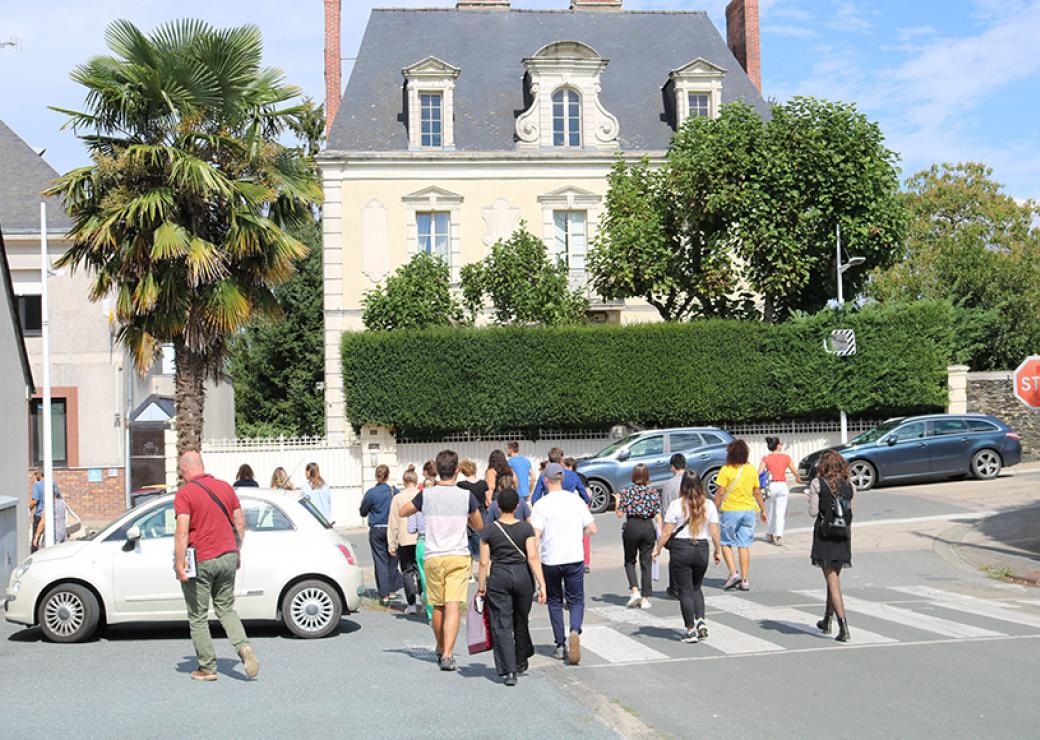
{"x":458,"y":124}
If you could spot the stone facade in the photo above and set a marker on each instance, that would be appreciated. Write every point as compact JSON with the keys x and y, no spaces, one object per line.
{"x":991,"y":393}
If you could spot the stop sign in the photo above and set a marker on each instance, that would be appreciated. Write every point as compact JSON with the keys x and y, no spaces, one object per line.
{"x":1027,"y":382}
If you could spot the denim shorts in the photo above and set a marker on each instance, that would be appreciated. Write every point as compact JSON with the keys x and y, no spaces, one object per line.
{"x":737,"y":528}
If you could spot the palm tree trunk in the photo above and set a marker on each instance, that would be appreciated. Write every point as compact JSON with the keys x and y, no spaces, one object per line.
{"x":190,"y":398}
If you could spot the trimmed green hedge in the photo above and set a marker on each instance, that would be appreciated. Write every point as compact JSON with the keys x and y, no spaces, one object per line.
{"x":435,"y":381}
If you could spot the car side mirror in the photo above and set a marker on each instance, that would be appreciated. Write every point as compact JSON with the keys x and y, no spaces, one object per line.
{"x":892,"y":440}
{"x":623,"y":455}
{"x":132,"y":536}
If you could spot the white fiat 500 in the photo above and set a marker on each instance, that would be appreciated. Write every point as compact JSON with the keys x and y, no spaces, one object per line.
{"x":295,"y":568}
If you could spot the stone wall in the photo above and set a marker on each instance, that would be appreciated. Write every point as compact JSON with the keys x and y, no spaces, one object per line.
{"x":991,"y":393}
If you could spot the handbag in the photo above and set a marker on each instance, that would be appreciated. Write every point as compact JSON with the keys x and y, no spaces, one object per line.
{"x":71,"y":527}
{"x":478,"y":627}
{"x":417,"y":523}
{"x":833,"y":523}
{"x":671,"y":540}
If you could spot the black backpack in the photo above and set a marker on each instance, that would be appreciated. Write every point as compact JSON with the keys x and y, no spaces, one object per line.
{"x":835,"y":520}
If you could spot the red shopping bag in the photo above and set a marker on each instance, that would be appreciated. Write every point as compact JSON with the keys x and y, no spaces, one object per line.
{"x":478,"y":629}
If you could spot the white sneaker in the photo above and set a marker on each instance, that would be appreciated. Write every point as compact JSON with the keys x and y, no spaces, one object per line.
{"x":633,"y":600}
{"x":410,"y":609}
{"x":644,"y":604}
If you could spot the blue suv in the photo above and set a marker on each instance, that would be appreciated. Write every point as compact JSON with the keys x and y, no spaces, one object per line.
{"x":610,"y":469}
{"x":934,"y":446}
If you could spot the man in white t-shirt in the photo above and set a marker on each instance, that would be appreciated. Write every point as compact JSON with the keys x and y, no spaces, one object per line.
{"x":561,"y":520}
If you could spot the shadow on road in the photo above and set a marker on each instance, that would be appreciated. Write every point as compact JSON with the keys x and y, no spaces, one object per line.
{"x":151,"y":631}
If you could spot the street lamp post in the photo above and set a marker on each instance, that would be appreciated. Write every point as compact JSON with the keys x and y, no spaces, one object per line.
{"x":841,"y":269}
{"x":48,"y":452}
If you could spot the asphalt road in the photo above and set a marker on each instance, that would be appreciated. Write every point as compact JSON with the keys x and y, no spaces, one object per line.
{"x":937,"y":650}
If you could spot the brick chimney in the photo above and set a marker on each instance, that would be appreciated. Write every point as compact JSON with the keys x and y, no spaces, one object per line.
{"x":333,"y":63}
{"x":482,"y":5}
{"x":742,"y":35}
{"x":596,"y":4}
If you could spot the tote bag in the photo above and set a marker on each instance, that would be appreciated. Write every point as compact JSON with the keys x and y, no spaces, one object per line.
{"x":478,"y":631}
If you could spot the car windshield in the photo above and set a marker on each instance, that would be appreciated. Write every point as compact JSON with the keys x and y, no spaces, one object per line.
{"x":615,"y":446}
{"x":873,"y":435}
{"x":306,"y":503}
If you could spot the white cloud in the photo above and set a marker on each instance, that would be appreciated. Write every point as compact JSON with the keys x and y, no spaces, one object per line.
{"x":848,"y":17}
{"x":788,"y":30}
{"x":915,"y":32}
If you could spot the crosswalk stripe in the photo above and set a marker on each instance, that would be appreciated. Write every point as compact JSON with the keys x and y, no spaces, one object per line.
{"x":791,"y":618}
{"x":720,"y":637}
{"x":971,"y":605}
{"x":1030,"y":602}
{"x":615,"y":647}
{"x":890,"y":613}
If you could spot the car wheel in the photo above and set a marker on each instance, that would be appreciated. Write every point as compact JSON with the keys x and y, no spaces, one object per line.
{"x":986,"y":464}
{"x":862,"y":475}
{"x":311,"y":609}
{"x":68,"y":613}
{"x":711,"y":483}
{"x":599,"y":496}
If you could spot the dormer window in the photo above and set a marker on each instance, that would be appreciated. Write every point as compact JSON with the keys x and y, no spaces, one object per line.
{"x":563,"y":79}
{"x":698,"y":90}
{"x":566,"y":118}
{"x":430,"y":87}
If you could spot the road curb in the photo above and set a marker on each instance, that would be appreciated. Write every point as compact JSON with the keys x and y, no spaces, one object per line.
{"x":950,"y":545}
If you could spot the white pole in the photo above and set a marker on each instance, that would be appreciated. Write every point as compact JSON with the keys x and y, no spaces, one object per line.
{"x":48,"y":452}
{"x":841,"y":304}
{"x":129,"y":390}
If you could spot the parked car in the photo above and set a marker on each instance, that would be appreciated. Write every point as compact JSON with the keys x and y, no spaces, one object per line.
{"x":933,"y":446}
{"x":610,"y":469}
{"x":295,"y":568}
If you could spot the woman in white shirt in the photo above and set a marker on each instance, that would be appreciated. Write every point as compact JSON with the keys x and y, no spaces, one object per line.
{"x":688,"y":523}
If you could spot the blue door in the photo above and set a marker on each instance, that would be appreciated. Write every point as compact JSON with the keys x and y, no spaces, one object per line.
{"x":903,"y":452}
{"x":949,"y":446}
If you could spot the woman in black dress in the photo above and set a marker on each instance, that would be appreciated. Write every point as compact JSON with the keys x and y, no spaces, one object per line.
{"x":508,"y":549}
{"x":832,"y":549}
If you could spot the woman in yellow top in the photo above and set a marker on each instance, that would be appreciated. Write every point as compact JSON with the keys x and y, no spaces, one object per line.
{"x":737,"y":498}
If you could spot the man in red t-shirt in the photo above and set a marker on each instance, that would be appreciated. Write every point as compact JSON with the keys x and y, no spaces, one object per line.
{"x":209,"y":519}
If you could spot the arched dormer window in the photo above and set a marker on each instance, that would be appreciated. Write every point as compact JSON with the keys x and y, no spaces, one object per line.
{"x":563,"y":80}
{"x":566,"y":117}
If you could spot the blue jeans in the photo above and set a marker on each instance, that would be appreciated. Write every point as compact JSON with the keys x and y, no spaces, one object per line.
{"x":565,"y":580}
{"x":737,"y":528}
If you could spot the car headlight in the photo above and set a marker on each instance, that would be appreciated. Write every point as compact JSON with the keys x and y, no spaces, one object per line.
{"x":21,"y":569}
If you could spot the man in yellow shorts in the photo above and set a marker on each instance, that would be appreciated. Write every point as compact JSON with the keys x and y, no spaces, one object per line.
{"x":447,"y":510}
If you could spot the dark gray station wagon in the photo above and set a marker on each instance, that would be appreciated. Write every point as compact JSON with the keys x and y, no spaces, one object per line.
{"x":935,"y":446}
{"x":610,"y":469}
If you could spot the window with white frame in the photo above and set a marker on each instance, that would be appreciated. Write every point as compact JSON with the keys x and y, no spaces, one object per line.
{"x":566,"y":118}
{"x":433,"y":231}
{"x":571,"y":238}
{"x":431,"y":119}
{"x":700,"y":105}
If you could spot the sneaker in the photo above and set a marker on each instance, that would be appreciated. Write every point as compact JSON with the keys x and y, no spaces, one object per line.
{"x":201,"y":675}
{"x":644,"y":604}
{"x":690,"y":636}
{"x":249,"y":661}
{"x":559,"y":653}
{"x":745,"y":586}
{"x":732,"y":582}
{"x":633,"y":600}
{"x":446,"y":663}
{"x":779,"y":541}
{"x":410,"y":609}
{"x":702,"y":629}
{"x":574,"y":649}
{"x":510,"y":680}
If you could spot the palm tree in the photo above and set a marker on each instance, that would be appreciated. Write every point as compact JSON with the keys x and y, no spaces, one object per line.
{"x":184,"y":215}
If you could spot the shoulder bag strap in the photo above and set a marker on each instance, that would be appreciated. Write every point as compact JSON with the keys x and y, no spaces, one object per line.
{"x":511,"y":540}
{"x":223,"y":508}
{"x":729,"y":488}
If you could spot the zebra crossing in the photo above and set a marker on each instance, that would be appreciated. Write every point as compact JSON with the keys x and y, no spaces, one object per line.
{"x":747,"y":624}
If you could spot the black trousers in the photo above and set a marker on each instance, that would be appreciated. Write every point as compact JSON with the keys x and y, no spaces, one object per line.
{"x":409,"y":571}
{"x":388,"y":579}
{"x":510,"y":589}
{"x":639,"y":537}
{"x":690,"y":563}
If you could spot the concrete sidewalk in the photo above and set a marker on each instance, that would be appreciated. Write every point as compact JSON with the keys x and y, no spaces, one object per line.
{"x":1005,"y":545}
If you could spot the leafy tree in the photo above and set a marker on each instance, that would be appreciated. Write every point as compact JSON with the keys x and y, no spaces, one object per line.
{"x":276,"y":365}
{"x":184,"y":212}
{"x":418,"y":295}
{"x":522,"y":284}
{"x":743,"y":205}
{"x":975,"y":245}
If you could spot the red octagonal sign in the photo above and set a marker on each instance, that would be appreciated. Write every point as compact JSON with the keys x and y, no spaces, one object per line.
{"x":1027,"y":382}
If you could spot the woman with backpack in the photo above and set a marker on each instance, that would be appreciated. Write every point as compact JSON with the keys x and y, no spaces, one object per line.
{"x":773,"y":469}
{"x":830,"y":501}
{"x":689,"y":522}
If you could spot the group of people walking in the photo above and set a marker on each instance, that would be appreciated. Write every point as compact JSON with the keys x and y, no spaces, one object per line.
{"x":314,"y":487}
{"x":529,"y":533}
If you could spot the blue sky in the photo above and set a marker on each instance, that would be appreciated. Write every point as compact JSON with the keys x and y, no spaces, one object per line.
{"x":948,"y":80}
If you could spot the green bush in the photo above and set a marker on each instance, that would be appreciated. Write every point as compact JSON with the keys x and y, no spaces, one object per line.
{"x":435,"y":381}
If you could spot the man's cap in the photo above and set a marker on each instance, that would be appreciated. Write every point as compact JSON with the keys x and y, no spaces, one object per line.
{"x":553,"y":471}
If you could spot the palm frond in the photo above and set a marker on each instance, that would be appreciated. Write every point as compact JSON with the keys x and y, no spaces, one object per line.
{"x":169,"y":241}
